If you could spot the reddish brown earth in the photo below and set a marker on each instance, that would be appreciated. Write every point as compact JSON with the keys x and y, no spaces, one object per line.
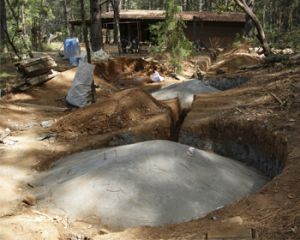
{"x":125,"y":117}
{"x":263,"y":114}
{"x":121,"y":110}
{"x":128,"y":72}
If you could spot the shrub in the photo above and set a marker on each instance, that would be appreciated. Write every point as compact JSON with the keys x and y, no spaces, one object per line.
{"x":169,"y":36}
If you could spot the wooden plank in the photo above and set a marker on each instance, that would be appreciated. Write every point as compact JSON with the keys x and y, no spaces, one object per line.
{"x":41,"y":79}
{"x":28,"y":107}
{"x":37,"y":66}
{"x":37,"y":69}
{"x":33,"y":61}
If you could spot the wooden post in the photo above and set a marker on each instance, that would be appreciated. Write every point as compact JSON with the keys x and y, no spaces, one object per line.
{"x":72,"y":30}
{"x":116,"y":8}
{"x":128,"y":32}
{"x":139,"y":32}
{"x":194,"y":29}
{"x":66,"y":15}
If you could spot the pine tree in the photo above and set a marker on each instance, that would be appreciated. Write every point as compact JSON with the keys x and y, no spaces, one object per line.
{"x":170,"y":37}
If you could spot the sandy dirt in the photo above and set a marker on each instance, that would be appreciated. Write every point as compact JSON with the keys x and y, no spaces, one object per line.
{"x":121,"y":110}
{"x":128,"y":72}
{"x":265,"y":108}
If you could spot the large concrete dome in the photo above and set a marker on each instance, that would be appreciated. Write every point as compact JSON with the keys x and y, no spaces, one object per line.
{"x":148,"y":183}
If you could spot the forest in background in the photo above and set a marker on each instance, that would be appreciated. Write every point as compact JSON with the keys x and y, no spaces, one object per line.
{"x":27,"y":23}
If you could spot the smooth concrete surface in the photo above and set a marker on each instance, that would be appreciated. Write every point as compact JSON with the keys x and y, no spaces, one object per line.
{"x":184,"y":91}
{"x":148,"y":183}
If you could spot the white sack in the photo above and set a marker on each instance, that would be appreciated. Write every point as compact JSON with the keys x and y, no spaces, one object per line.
{"x":79,"y":94}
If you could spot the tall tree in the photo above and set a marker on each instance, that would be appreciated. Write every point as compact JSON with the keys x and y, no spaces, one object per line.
{"x":66,"y":15}
{"x":249,"y":23}
{"x":117,"y":36}
{"x":96,"y":29}
{"x":3,"y":25}
{"x":87,"y":46}
{"x":260,"y":31}
{"x":170,"y":37}
{"x":17,"y":31}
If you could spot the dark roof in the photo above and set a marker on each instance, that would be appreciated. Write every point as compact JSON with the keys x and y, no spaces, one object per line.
{"x":186,"y":16}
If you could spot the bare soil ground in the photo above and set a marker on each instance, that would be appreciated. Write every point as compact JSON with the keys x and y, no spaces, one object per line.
{"x":264,"y":112}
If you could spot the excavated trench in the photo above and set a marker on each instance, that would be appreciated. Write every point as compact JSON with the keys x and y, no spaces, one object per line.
{"x":245,"y":142}
{"x":155,"y":183}
{"x":248,"y":142}
{"x":225,"y":82}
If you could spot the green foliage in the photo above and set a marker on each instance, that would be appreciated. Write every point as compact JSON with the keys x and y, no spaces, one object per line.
{"x":227,"y":6}
{"x":26,"y":17}
{"x":237,"y":41}
{"x":281,"y":20}
{"x":284,"y":39}
{"x":170,"y":37}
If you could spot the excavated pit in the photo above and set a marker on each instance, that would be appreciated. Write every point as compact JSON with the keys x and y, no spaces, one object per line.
{"x":244,"y":141}
{"x":225,"y":82}
{"x":159,"y":182}
{"x":179,"y":183}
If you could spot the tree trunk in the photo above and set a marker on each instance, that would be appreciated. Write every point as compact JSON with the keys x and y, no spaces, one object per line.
{"x":14,"y":48}
{"x":66,"y":15}
{"x":96,"y":32}
{"x":88,"y":51}
{"x":3,"y":25}
{"x":4,"y":35}
{"x":117,"y":37}
{"x":23,"y":19}
{"x":249,"y":23}
{"x":16,"y":18}
{"x":264,"y":16}
{"x":200,"y":5}
{"x":260,"y":31}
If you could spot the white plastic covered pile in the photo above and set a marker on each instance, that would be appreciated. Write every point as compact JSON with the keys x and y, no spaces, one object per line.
{"x":148,"y":183}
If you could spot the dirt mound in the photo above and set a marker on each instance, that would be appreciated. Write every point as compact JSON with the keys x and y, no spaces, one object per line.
{"x":233,"y":62}
{"x":126,"y":72}
{"x":124,"y":109}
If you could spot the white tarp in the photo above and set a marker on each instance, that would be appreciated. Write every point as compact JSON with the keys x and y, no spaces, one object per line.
{"x":100,"y":55}
{"x":79,"y":94}
{"x":155,"y":77}
{"x":184,"y":91}
{"x":148,"y":183}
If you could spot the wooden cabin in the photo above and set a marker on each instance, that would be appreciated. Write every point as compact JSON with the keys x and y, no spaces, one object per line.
{"x":209,"y":29}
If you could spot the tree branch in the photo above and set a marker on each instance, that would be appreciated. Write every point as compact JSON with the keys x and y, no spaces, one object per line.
{"x":261,"y":35}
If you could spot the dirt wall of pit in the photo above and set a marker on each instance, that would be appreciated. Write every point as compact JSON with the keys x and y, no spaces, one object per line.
{"x":245,"y":141}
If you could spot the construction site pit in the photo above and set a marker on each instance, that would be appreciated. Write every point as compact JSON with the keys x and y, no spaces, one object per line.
{"x":134,"y":182}
{"x":149,"y":183}
{"x":189,"y":152}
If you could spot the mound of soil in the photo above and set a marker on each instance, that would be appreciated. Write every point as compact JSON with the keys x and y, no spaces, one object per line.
{"x":125,"y":72}
{"x":122,"y":110}
{"x":233,"y":62}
